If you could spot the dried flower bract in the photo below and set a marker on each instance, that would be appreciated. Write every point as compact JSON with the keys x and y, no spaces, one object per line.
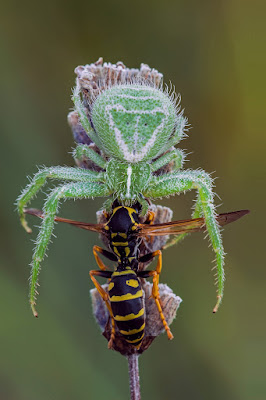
{"x":154,"y":326}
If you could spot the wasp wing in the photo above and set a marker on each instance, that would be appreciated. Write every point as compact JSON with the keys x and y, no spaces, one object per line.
{"x":187,"y":225}
{"x":83,"y":225}
{"x":169,"y":228}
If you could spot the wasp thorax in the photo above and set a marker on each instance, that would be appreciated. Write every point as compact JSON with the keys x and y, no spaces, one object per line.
{"x":134,"y":122}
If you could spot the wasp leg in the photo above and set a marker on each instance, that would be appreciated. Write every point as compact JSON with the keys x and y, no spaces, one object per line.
{"x":150,"y":218}
{"x":106,"y":214}
{"x":105,"y":253}
{"x":155,"y":288}
{"x":150,"y":221}
{"x":104,"y":274}
{"x":105,"y":297}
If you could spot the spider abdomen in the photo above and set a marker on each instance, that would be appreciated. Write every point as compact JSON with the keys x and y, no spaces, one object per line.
{"x":133,"y":122}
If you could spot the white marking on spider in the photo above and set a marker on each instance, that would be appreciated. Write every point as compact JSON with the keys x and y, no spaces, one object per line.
{"x":129,"y":173}
{"x":127,"y":96}
{"x":135,"y":156}
{"x":119,"y":107}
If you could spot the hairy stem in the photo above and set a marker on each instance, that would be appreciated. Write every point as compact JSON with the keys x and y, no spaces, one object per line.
{"x":133,"y":370}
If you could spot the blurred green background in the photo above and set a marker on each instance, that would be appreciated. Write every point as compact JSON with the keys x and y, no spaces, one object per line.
{"x":214,"y":53}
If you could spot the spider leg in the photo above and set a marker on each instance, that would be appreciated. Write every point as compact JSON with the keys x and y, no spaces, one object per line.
{"x":155,"y":288}
{"x":186,"y":180}
{"x":83,"y":118}
{"x":107,"y":205}
{"x":197,"y":213}
{"x":178,"y":134}
{"x":144,"y":205}
{"x":39,"y":179}
{"x":83,"y":150}
{"x":175,"y":155}
{"x":78,"y":190}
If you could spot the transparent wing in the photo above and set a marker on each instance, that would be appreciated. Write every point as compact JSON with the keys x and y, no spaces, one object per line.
{"x":83,"y":225}
{"x":169,"y":228}
{"x":187,"y":225}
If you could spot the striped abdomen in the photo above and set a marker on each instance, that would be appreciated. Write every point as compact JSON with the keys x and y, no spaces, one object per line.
{"x":126,"y":300}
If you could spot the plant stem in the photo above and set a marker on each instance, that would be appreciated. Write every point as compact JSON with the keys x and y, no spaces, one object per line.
{"x":133,"y":370}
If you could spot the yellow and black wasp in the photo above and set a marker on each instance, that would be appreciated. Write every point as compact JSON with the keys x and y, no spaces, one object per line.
{"x":124,"y":235}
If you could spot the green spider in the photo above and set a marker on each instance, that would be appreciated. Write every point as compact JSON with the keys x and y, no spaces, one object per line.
{"x":135,"y":125}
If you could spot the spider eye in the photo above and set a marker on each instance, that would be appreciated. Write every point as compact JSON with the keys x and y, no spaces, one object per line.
{"x":145,"y":124}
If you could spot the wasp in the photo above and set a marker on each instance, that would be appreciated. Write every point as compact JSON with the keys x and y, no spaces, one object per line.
{"x":124,"y":234}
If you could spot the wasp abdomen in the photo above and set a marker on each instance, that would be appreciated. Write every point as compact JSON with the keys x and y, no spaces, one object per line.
{"x":126,"y":298}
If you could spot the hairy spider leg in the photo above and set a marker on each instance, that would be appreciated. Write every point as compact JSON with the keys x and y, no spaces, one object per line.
{"x":197,"y":213}
{"x":178,"y":134}
{"x":175,"y":155}
{"x":83,"y":118}
{"x":181,"y":181}
{"x":69,"y":191}
{"x":83,"y":150}
{"x":39,"y":179}
{"x":155,"y":288}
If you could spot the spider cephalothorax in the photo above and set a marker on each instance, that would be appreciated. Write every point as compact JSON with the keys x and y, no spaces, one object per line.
{"x":126,"y":126}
